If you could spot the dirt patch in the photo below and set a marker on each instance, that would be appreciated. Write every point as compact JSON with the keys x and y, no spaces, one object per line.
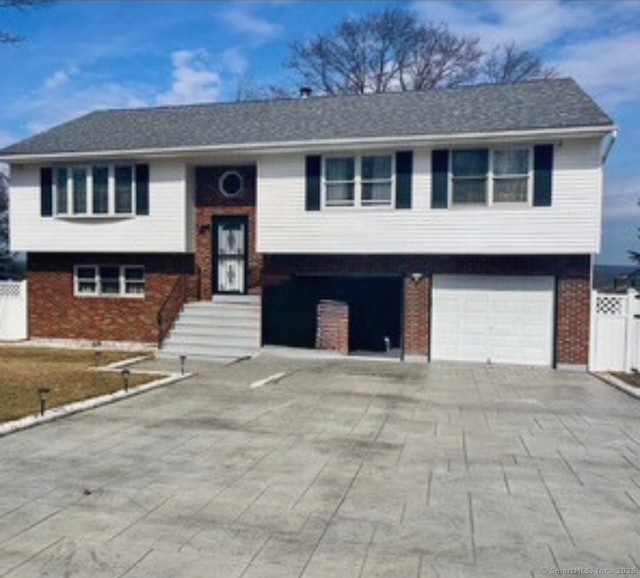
{"x":70,"y":374}
{"x":632,"y":379}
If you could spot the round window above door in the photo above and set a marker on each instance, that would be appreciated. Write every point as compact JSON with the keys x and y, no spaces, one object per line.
{"x":231,"y":184}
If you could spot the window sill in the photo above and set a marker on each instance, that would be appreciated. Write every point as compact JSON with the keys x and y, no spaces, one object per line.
{"x":358,"y":208}
{"x":92,"y":218}
{"x":494,"y":207}
{"x":94,"y":296}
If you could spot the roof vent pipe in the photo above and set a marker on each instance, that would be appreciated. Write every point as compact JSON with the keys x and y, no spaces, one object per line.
{"x":305,"y":91}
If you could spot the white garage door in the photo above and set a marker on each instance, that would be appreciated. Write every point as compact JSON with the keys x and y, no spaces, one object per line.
{"x":495,"y":319}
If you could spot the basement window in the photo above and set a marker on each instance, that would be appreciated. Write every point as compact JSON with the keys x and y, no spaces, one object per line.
{"x":109,"y":281}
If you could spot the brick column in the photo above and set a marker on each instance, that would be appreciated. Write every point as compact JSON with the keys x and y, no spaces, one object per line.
{"x":416,"y":314}
{"x":333,"y":326}
{"x":574,"y":309}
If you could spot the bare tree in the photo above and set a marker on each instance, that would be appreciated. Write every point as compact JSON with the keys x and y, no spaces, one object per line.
{"x":506,"y":64}
{"x":439,"y":58}
{"x":393,"y":50}
{"x":8,"y":37}
{"x":247,"y":89}
{"x":384,"y":51}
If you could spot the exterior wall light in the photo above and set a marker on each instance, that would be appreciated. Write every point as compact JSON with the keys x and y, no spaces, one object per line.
{"x":126,"y":375}
{"x":43,"y":394}
{"x":416,"y":277}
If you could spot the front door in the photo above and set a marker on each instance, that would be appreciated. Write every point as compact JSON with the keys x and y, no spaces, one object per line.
{"x":231,"y":253}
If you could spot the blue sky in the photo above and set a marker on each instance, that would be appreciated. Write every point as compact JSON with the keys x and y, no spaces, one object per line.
{"x":84,"y":55}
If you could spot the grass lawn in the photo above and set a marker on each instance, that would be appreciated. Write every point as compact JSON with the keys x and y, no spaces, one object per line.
{"x":68,"y":373}
{"x":632,"y":379}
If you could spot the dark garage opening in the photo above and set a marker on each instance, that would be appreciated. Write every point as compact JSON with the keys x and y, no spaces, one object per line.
{"x":375,"y":303}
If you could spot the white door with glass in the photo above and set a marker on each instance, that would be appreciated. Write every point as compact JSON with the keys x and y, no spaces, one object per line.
{"x":231,"y":254}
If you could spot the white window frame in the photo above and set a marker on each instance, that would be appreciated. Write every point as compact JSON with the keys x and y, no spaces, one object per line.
{"x":123,"y":293}
{"x":111,"y":200}
{"x":358,"y":181}
{"x":489,"y":200}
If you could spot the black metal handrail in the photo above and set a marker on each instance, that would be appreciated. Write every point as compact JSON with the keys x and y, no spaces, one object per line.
{"x":166,"y":317}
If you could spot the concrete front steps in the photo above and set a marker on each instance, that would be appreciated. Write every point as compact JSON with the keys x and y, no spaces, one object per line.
{"x":226,"y":328}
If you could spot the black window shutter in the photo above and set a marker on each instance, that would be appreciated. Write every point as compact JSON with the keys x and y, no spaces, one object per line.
{"x":46,"y":192}
{"x":142,"y":189}
{"x":440,"y":179}
{"x":542,"y":175}
{"x":404,"y":170}
{"x":313,"y":170}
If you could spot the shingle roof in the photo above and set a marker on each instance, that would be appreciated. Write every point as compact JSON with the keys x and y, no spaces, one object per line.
{"x":543,"y":104}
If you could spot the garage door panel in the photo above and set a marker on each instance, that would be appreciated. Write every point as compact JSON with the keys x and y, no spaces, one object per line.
{"x":504,"y":319}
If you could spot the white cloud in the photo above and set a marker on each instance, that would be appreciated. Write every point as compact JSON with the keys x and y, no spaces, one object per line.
{"x":234,"y":60}
{"x":57,"y":79}
{"x":6,"y":138}
{"x":192,"y":80}
{"x":531,"y":24}
{"x":60,"y":78}
{"x":257,"y":30}
{"x":621,"y":197}
{"x":43,"y":110}
{"x":606,"y":66}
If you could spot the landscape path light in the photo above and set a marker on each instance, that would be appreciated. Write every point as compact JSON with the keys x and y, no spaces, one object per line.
{"x":43,"y":394}
{"x":126,"y":375}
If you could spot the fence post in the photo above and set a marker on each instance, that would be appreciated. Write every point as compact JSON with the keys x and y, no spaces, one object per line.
{"x":593,"y":331}
{"x":631,"y":360}
{"x":631,"y":340}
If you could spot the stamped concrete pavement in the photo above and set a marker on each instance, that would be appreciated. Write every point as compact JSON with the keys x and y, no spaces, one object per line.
{"x":339,"y":468}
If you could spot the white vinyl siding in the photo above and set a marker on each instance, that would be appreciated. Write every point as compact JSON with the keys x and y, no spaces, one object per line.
{"x":570,"y":225}
{"x":164,"y":230}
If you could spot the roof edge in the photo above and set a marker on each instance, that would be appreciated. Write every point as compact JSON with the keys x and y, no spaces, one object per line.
{"x":302,"y":146}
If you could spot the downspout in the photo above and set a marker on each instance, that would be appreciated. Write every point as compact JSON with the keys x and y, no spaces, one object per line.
{"x":613,"y":137}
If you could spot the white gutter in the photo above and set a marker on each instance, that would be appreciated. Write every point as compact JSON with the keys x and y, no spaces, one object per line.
{"x":613,"y":137}
{"x":320,"y":145}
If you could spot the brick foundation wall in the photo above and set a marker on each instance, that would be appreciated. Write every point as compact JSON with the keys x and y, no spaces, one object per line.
{"x":333,"y":326}
{"x":54,"y":311}
{"x":571,"y":272}
{"x":211,"y":203}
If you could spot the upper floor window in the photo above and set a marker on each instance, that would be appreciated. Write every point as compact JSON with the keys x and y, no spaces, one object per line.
{"x":358,"y":181}
{"x":490,"y":177}
{"x":100,"y":190}
{"x":109,"y":280}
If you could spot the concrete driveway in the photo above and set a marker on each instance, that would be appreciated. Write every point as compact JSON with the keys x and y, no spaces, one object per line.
{"x":345,"y":469}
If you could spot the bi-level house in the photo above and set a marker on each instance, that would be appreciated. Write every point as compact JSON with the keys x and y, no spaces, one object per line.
{"x":455,"y":224}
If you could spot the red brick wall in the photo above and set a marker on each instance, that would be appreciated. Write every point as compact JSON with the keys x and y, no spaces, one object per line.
{"x":572,"y":274}
{"x":211,"y":203}
{"x":333,"y":326}
{"x":54,"y":312}
{"x":417,"y":300}
{"x":573,"y":312}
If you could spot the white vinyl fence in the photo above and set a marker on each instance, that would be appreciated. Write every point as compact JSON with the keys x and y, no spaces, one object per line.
{"x":13,"y":310}
{"x":615,"y":332}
